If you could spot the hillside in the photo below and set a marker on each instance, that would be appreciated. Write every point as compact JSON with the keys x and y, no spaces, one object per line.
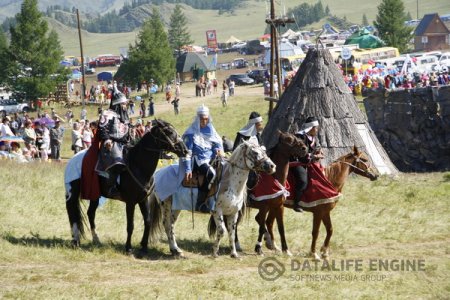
{"x":245,"y":23}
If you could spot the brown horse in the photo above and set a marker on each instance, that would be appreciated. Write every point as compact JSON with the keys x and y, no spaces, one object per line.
{"x":269,"y":210}
{"x":337,"y":173}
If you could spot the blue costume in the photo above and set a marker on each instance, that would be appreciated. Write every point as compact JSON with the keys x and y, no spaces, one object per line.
{"x":203,"y":144}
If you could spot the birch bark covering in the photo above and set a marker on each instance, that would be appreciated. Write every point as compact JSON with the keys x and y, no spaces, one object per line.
{"x":318,"y":89}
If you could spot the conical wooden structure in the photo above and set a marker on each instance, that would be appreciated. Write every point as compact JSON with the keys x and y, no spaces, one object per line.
{"x":318,"y":89}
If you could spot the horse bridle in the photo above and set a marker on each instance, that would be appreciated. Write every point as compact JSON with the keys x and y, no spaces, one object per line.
{"x":358,"y":160}
{"x":257,"y":164}
{"x":166,"y":139}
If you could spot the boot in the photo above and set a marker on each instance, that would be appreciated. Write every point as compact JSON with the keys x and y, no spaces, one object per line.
{"x":201,"y":201}
{"x":297,"y":207}
{"x":113,"y":191}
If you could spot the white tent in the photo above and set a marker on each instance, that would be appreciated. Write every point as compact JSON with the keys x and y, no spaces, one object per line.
{"x":289,"y":34}
{"x":233,"y":40}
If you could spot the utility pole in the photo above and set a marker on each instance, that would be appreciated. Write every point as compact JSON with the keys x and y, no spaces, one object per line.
{"x":83,"y":85}
{"x":275,"y":67}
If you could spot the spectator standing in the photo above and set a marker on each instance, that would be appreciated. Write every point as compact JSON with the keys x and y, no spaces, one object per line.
{"x":177,"y":91}
{"x":175,"y":103}
{"x":87,"y":136}
{"x":56,"y":138}
{"x":77,"y":138}
{"x":215,"y":84}
{"x":142,"y":112}
{"x":231,"y":87}
{"x":151,"y":107}
{"x":83,"y":113}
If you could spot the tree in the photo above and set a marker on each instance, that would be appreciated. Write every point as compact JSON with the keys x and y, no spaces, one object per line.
{"x":408,"y":16}
{"x":178,"y":32}
{"x":364,"y":20}
{"x":151,"y":56}
{"x":390,"y":23}
{"x":327,"y":10}
{"x":35,"y":55}
{"x":4,"y":58}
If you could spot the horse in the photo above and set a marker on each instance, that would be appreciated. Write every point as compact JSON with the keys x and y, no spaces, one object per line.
{"x":269,"y":209}
{"x":141,"y":163}
{"x":229,"y":200}
{"x":337,"y":173}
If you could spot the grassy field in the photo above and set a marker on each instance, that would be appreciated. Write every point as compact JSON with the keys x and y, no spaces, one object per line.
{"x":247,"y":22}
{"x":404,"y":218}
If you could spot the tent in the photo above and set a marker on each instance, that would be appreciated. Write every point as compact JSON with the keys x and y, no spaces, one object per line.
{"x":105,"y":76}
{"x":318,"y":89}
{"x":289,"y":34}
{"x":232,"y":40}
{"x":192,"y":66}
{"x":365,"y":40}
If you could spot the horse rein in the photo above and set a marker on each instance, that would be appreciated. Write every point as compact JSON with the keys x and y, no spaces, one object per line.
{"x":358,"y":160}
{"x":165,"y":140}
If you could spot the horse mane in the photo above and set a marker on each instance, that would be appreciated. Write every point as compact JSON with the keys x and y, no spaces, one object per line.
{"x":334,"y":171}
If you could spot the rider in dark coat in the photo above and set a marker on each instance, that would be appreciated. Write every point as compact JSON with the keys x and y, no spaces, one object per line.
{"x":251,"y":131}
{"x":113,"y":132}
{"x":308,"y":134}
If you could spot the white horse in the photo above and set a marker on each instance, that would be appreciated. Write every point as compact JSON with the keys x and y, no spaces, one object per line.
{"x":229,"y":198}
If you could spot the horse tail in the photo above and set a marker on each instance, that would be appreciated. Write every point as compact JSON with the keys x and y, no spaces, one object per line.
{"x":212,"y":228}
{"x":73,"y":206}
{"x":155,"y":216}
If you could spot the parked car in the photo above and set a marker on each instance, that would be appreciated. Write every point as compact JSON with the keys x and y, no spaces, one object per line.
{"x":259,"y":75}
{"x":239,"y":45}
{"x":241,"y":79}
{"x":11,"y":106}
{"x":90,"y":70}
{"x":240,"y":63}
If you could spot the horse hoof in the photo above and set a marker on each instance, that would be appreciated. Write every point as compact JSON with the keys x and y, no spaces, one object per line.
{"x":258,"y":250}
{"x":75,"y":244}
{"x":129,"y":252}
{"x":238,"y":248}
{"x":287,"y":253}
{"x":315,"y":256}
{"x":177,"y":253}
{"x":234,"y":255}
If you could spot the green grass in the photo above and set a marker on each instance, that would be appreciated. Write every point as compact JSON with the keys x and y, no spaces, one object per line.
{"x":246,"y":23}
{"x":392,"y":218}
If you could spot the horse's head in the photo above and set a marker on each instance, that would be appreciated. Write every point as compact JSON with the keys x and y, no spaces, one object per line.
{"x":291,"y":145}
{"x":167,"y":138}
{"x":359,"y":163}
{"x":255,"y":157}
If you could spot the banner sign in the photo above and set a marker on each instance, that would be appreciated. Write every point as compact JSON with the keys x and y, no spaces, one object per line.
{"x":211,"y":39}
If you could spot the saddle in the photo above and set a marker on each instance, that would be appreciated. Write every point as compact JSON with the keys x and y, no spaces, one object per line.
{"x":198,"y":179}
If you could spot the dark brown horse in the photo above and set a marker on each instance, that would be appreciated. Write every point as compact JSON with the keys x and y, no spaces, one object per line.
{"x":288,"y":145}
{"x":337,"y":173}
{"x":142,"y":160}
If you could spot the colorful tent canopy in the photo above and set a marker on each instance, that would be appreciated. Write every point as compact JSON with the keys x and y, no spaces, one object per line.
{"x":365,"y":40}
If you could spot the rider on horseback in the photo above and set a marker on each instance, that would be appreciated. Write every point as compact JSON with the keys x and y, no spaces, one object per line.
{"x":204,"y":144}
{"x":250,"y":132}
{"x":113,"y":132}
{"x":308,"y":134}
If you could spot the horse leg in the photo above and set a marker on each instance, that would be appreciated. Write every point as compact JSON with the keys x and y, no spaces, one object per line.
{"x":329,"y":227}
{"x":74,"y":212}
{"x":231,"y":227}
{"x":93,"y":205}
{"x":317,"y":219}
{"x":261,"y":219}
{"x":218,"y":218}
{"x":268,"y":235}
{"x":130,"y":225}
{"x":143,"y":206}
{"x":169,"y":220}
{"x":279,"y":215}
{"x":236,"y":238}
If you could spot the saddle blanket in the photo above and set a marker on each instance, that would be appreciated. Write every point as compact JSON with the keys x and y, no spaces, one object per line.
{"x":319,"y":189}
{"x":73,"y":172}
{"x":186,"y":199}
{"x":168,"y":183}
{"x":268,"y":188}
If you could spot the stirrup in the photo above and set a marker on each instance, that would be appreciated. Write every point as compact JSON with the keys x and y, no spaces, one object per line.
{"x":297,"y":208}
